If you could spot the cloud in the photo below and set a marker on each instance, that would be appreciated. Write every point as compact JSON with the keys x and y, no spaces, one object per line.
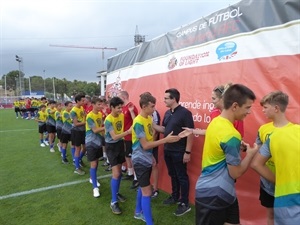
{"x":28,"y":27}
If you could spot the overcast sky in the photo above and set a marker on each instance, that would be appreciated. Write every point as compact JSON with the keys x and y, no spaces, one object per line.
{"x":27,"y":28}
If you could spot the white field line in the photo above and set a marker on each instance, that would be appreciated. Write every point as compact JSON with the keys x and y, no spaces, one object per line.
{"x":3,"y":131}
{"x":48,"y":188}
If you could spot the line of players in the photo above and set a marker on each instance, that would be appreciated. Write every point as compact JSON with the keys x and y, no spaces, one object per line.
{"x":27,"y":108}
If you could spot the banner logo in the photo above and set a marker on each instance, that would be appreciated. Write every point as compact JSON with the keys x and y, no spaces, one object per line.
{"x":172,"y":63}
{"x":226,"y":50}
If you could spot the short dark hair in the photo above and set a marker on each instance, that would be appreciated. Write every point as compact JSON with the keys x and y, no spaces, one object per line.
{"x":78,"y":97}
{"x":237,"y":93}
{"x":43,"y":98}
{"x":67,"y":103}
{"x":95,"y":99}
{"x":115,"y":101}
{"x":145,"y":98}
{"x":174,"y":93}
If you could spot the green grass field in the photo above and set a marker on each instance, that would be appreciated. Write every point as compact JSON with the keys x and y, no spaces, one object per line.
{"x":36,"y":188}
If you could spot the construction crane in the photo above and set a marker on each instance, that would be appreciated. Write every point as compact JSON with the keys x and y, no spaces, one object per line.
{"x":85,"y":47}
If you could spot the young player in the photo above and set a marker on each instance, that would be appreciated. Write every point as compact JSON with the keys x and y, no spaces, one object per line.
{"x":66,"y":131}
{"x":283,"y":146}
{"x":78,"y":131}
{"x":59,"y":124}
{"x":114,"y":139}
{"x":142,"y":156}
{"x":51,"y":124}
{"x":216,"y":201}
{"x":17,"y":108}
{"x":130,"y":111}
{"x":93,"y":141}
{"x":41,"y":119}
{"x":274,"y":106}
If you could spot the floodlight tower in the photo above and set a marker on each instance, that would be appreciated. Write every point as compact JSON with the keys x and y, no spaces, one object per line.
{"x":21,"y":77}
{"x":138,"y":39}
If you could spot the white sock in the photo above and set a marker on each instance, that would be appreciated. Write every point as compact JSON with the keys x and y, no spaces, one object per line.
{"x":135,"y":178}
{"x":104,"y":155}
{"x":130,"y":171}
{"x":123,"y":167}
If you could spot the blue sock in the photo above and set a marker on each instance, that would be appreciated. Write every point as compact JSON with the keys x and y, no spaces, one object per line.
{"x":46,"y":139}
{"x":114,"y":190}
{"x":146,"y":206}
{"x":42,"y":141}
{"x":81,"y":155}
{"x":63,"y":153}
{"x":76,"y":162}
{"x":73,"y":153}
{"x":93,"y":174}
{"x":119,"y":182}
{"x":138,"y":206}
{"x":51,"y":146}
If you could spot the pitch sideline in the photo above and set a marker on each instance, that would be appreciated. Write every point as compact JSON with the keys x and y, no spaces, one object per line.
{"x":48,"y":188}
{"x":4,"y":131}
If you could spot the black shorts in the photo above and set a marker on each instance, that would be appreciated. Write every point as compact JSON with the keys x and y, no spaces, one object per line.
{"x":65,"y":138}
{"x":206,"y":216}
{"x":128,"y":149}
{"x":51,"y":129}
{"x":78,"y":137}
{"x":155,"y":154}
{"x":42,"y":129}
{"x":93,"y":153}
{"x":266,"y":200}
{"x":17,"y":109}
{"x":58,"y":133}
{"x":115,"y":153}
{"x":143,"y":174}
{"x":102,"y":140}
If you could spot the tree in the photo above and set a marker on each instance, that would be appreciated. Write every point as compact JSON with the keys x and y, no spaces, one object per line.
{"x":92,"y":89}
{"x":62,"y":86}
{"x":11,"y":79}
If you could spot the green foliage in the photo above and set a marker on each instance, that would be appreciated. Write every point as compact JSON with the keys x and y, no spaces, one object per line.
{"x":62,"y":86}
{"x":11,"y":78}
{"x":25,"y":166}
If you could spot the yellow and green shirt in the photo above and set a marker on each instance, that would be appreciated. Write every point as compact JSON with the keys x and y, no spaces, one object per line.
{"x":67,"y":122}
{"x":80,"y":115}
{"x":113,"y":123}
{"x":42,"y":117}
{"x":93,"y":120}
{"x":215,"y":187}
{"x":283,"y":146}
{"x":51,"y":116}
{"x":142,"y":128}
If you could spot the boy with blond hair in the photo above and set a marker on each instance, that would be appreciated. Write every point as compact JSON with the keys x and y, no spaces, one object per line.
{"x":274,"y":106}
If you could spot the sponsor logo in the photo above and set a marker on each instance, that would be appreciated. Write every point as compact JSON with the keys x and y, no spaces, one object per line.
{"x":192,"y":59}
{"x":226,"y":50}
{"x":187,"y":60}
{"x":172,"y":63}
